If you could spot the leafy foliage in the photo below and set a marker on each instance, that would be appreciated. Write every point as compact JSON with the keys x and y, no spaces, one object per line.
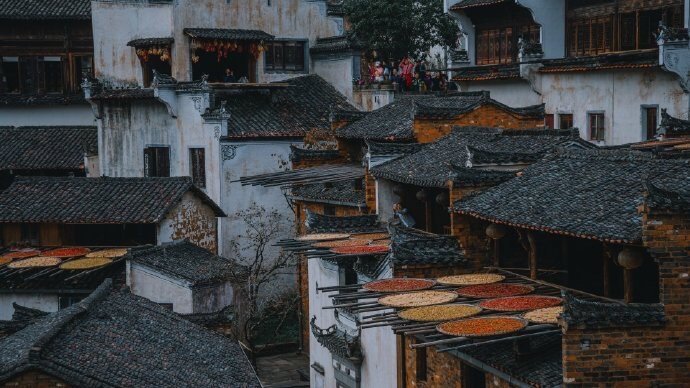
{"x":396,"y":28}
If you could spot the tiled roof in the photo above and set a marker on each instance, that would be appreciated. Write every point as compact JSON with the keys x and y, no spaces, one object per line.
{"x":300,"y":154}
{"x":335,"y":8}
{"x":587,"y":193}
{"x":46,"y":148}
{"x":21,"y":318}
{"x":185,"y":260}
{"x":588,"y":314}
{"x":391,"y":149}
{"x":41,"y":99}
{"x":542,"y":366}
{"x":463,"y":4}
{"x":338,"y":342}
{"x":669,"y":200}
{"x":333,"y":44}
{"x":290,"y":112}
{"x":124,"y":94}
{"x":412,"y":246}
{"x":391,"y":122}
{"x":317,"y":223}
{"x":337,"y":193}
{"x":623,"y":60}
{"x":115,"y":339}
{"x":95,"y":200}
{"x":145,"y":42}
{"x":45,"y":9}
{"x":371,"y":266}
{"x":671,"y":126}
{"x":227,"y":34}
{"x":433,"y":165}
{"x":394,"y":122}
{"x":485,"y":73}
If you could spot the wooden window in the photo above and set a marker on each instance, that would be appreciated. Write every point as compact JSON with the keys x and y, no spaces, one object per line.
{"x":9,"y":77}
{"x":596,"y":127}
{"x":421,"y":364}
{"x":30,"y":234}
{"x":157,"y":162}
{"x":627,"y":31}
{"x":548,"y":121}
{"x":590,"y":36}
{"x":473,"y":377}
{"x":154,"y":62}
{"x":328,"y":210}
{"x":83,"y":66}
{"x":650,"y":120}
{"x":197,"y":163}
{"x":648,"y":24}
{"x":565,"y":121}
{"x":51,"y":75}
{"x":285,"y":55}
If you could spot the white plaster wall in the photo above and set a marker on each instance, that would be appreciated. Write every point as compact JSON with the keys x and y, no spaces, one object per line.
{"x":550,"y":15}
{"x":46,"y":115}
{"x":620,"y":94}
{"x":385,"y":199}
{"x":113,"y":59}
{"x":159,"y":288}
{"x":43,"y":302}
{"x":321,"y":274}
{"x":191,"y":219}
{"x":212,"y":299}
{"x":253,"y":158}
{"x":514,"y":93}
{"x":369,"y":99}
{"x":380,"y":366}
{"x":337,"y":72}
{"x":285,"y":19}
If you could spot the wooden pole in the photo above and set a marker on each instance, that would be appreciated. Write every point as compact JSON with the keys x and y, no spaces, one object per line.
{"x":532,"y":255}
{"x":497,"y":253}
{"x":628,"y":283}
{"x":607,"y":274}
{"x":427,"y":210}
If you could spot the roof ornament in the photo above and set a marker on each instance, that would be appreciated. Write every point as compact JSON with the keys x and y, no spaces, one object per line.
{"x":529,"y":50}
{"x":160,"y":79}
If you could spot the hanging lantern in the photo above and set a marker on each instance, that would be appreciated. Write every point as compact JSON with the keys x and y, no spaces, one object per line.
{"x":421,"y":195}
{"x":398,"y":190}
{"x":496,"y":231}
{"x":442,"y":198}
{"x":630,"y":258}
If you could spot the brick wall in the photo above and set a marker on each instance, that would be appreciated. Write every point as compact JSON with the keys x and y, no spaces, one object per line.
{"x":469,"y":231}
{"x":370,"y":191}
{"x":34,"y":379}
{"x":644,"y":356}
{"x":303,"y":284}
{"x":427,"y":130}
{"x":442,"y":369}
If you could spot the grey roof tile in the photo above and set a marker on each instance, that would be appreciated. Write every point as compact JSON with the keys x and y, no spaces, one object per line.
{"x":227,"y":33}
{"x":589,"y":314}
{"x":317,"y":223}
{"x":45,"y":9}
{"x":46,"y":148}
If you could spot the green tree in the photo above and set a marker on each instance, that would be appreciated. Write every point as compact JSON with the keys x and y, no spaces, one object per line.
{"x":394,"y":28}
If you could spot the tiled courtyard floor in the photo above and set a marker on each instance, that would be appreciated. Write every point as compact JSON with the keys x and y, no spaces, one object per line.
{"x":281,"y":371}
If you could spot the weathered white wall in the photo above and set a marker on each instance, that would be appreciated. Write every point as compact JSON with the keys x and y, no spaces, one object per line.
{"x":380,"y":365}
{"x":514,"y":93}
{"x":619,"y":94}
{"x":46,"y":115}
{"x":369,"y":99}
{"x":253,"y":158}
{"x":43,"y":302}
{"x":321,"y":274}
{"x":336,"y":71}
{"x":113,"y":59}
{"x":550,"y":15}
{"x":213,"y":298}
{"x":159,"y":288}
{"x":385,"y":199}
{"x":191,"y":219}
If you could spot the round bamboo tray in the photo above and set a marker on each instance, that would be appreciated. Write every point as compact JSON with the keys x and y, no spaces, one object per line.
{"x":545,"y":315}
{"x":67,"y":252}
{"x":35,"y":262}
{"x":440,"y":313}
{"x":5,"y":260}
{"x":482,"y":326}
{"x":115,"y":252}
{"x":494,"y":290}
{"x":470,"y":279}
{"x":86,"y":263}
{"x":383,"y":243}
{"x":399,"y":285}
{"x":418,"y":299}
{"x":19,"y":255}
{"x":520,"y":303}
{"x":340,"y":243}
{"x":323,"y":237}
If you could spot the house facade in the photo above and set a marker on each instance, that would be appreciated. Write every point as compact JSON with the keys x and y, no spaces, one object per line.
{"x":571,"y":54}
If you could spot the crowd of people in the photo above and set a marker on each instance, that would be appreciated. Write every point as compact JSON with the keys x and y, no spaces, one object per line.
{"x":408,"y":75}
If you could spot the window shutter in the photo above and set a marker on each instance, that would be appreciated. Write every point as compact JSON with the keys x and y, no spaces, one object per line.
{"x":163,"y":162}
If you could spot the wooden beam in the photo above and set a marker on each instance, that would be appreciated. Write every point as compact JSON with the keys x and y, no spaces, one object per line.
{"x":532,"y":255}
{"x":628,"y":283}
{"x":606,"y":273}
{"x":497,"y":253}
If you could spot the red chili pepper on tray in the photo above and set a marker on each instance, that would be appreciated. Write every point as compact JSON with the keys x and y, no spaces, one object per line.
{"x":520,"y":303}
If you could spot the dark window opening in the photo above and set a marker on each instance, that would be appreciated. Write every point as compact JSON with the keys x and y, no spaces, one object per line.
{"x":154,"y":62}
{"x":10,"y":75}
{"x":51,"y":75}
{"x":83,"y":66}
{"x":650,"y":121}
{"x":65,"y":301}
{"x":285,"y":56}
{"x":473,"y":377}
{"x":359,"y":184}
{"x":548,"y":121}
{"x":421,"y":364}
{"x":215,"y":60}
{"x":30,"y":234}
{"x":597,"y":130}
{"x":198,"y":166}
{"x":328,"y":210}
{"x":157,"y":162}
{"x":565,"y":121}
